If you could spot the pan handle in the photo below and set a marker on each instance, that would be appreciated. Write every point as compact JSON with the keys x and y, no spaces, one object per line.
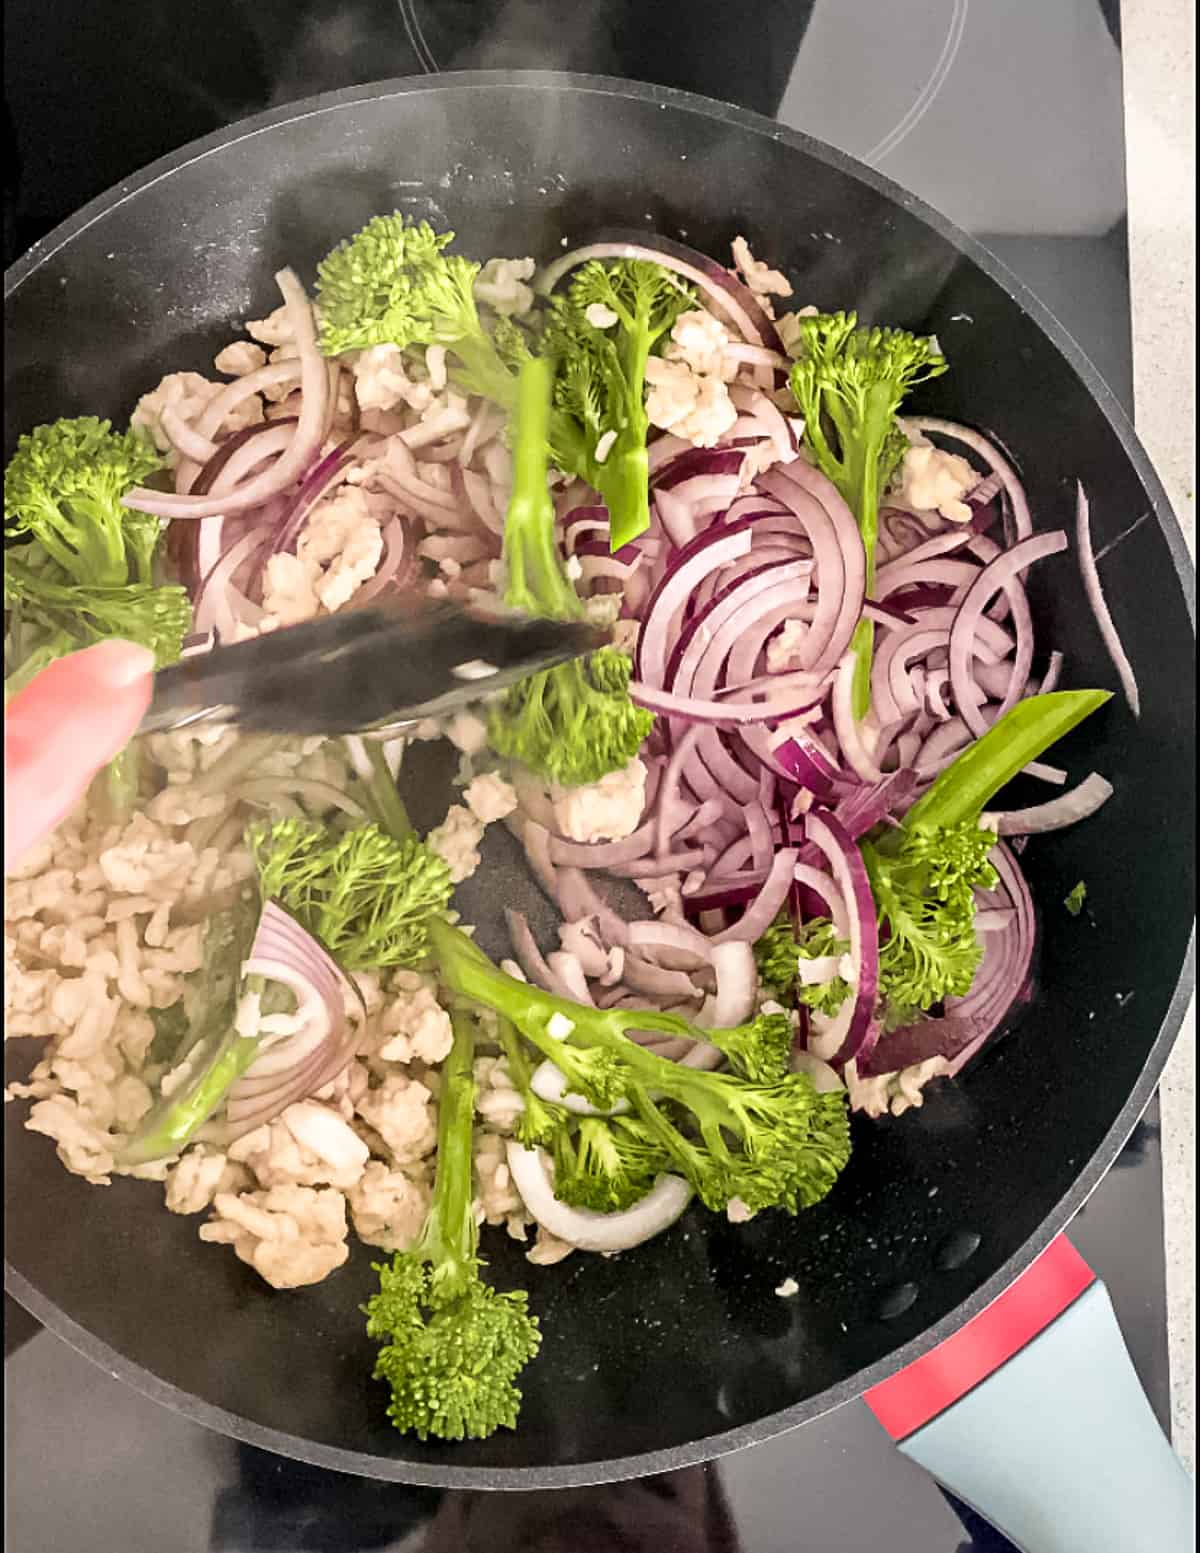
{"x":1033,"y":1415}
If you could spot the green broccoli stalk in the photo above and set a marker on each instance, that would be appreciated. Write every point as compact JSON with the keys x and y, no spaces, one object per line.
{"x":924,"y":872}
{"x":364,"y":895}
{"x":394,"y":284}
{"x":1025,"y":732}
{"x":777,"y":1144}
{"x":849,"y":383}
{"x":205,"y":1035}
{"x":601,"y":384}
{"x":452,"y":1347}
{"x":540,"y":1120}
{"x":573,"y":723}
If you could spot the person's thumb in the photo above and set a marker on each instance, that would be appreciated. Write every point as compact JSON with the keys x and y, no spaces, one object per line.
{"x":70,"y":720}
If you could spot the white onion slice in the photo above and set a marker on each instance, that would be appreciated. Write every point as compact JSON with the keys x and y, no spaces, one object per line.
{"x":1068,"y":808}
{"x":583,"y":1228}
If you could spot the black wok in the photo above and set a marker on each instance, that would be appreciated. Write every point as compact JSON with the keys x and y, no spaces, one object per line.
{"x":680,"y":1351}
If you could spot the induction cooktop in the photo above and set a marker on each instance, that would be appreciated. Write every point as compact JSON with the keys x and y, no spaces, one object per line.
{"x":1006,"y":117}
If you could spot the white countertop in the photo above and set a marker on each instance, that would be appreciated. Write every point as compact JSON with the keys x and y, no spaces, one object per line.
{"x":1158,"y":42}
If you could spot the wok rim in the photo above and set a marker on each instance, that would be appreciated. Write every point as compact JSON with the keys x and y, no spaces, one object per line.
{"x":709,"y":1447}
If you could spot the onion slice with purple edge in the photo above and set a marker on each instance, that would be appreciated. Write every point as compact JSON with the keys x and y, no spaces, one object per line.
{"x":314,"y":404}
{"x":846,"y":1035}
{"x":1095,"y":596}
{"x":995,"y":576}
{"x":584,"y":1228}
{"x":829,"y":522}
{"x":796,"y":693}
{"x":1068,"y":808}
{"x":293,"y":1065}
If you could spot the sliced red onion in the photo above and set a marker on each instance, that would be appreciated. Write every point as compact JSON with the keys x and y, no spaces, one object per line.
{"x":866,"y":807}
{"x":970,"y":1021}
{"x":529,"y":956}
{"x":569,"y":972}
{"x":1000,"y":573}
{"x":697,"y":463}
{"x":248,"y":456}
{"x":583,"y":1228}
{"x":312,"y":489}
{"x":1078,"y":804}
{"x":794,"y":693}
{"x":833,"y":534}
{"x":656,"y":981}
{"x":847,"y":1034}
{"x":667,"y":602}
{"x":184,"y":438}
{"x":770,"y":900}
{"x":1095,"y":596}
{"x":833,"y":905}
{"x":577,"y":897}
{"x":309,"y":430}
{"x":737,"y":985}
{"x":693,"y":949}
{"x":397,"y":566}
{"x":218,"y":603}
{"x":295,"y":1065}
{"x":217,"y":411}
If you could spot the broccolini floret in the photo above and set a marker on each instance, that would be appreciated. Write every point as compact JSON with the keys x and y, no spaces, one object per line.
{"x":88,"y":573}
{"x":924,"y":890}
{"x":452,"y":1347}
{"x":606,"y":1164}
{"x":776,"y":1144}
{"x":849,"y":382}
{"x":63,"y":487}
{"x":600,"y":390}
{"x":758,"y":1050}
{"x":365,"y":895}
{"x":393,"y":283}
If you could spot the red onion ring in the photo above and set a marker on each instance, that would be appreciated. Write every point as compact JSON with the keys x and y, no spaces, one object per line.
{"x":313,"y":409}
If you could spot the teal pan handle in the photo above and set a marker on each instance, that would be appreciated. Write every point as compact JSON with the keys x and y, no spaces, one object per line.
{"x":1034,"y":1416}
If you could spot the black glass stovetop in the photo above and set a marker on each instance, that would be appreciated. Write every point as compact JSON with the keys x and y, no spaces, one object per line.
{"x":1006,"y":115}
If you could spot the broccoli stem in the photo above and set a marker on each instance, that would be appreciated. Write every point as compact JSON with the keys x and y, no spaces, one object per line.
{"x":384,"y":796}
{"x":468,"y":971}
{"x":536,"y":581}
{"x":991,"y":762}
{"x":450,"y":1238}
{"x":177,"y":1118}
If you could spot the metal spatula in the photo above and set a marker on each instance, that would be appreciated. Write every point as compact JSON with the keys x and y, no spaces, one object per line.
{"x":364,"y":670}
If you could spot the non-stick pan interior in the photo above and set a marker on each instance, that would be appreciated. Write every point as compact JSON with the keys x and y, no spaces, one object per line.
{"x":682,"y":1348}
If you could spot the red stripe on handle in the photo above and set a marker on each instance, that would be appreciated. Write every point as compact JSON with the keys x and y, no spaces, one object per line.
{"x":932,"y":1383}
